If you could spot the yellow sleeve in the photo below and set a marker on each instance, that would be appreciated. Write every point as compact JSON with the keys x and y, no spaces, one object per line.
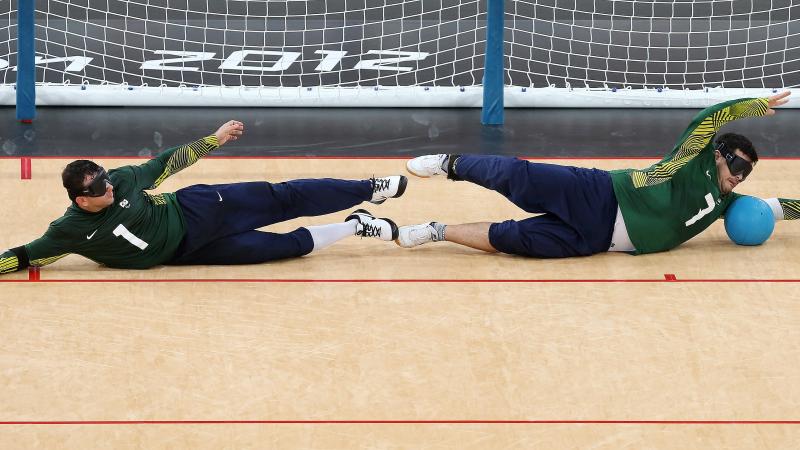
{"x":710,"y":120}
{"x":697,"y":137}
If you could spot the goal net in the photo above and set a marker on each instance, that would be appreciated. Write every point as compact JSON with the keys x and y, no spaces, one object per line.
{"x":649,"y":53}
{"x":260,"y":52}
{"x":605,"y":53}
{"x":8,"y":33}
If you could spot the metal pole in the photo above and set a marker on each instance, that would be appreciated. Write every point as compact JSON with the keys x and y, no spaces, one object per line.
{"x":26,"y":71}
{"x":493,"y":71}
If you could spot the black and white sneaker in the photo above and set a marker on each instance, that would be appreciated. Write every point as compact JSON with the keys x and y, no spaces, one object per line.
{"x":387,"y":187}
{"x":371,"y":226}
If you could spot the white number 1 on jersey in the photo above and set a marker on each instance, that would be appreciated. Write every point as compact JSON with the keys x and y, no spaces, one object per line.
{"x":130,"y":237}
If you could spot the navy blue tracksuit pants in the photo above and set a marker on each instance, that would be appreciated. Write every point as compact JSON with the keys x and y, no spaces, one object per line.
{"x":221,"y":220}
{"x":578,"y":205}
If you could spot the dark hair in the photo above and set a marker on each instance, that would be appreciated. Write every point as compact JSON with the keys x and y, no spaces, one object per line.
{"x":74,"y":176}
{"x":733,"y":141}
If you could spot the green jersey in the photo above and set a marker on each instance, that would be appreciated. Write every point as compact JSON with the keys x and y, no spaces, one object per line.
{"x":139,"y":230}
{"x":673,"y":200}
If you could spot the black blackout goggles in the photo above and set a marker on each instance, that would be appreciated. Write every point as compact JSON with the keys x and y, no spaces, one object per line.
{"x":736,"y":164}
{"x":97,"y":187}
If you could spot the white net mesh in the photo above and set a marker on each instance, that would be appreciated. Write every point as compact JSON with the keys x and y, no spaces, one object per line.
{"x":711,"y":48}
{"x":8,"y":35}
{"x":336,"y":52}
{"x":405,"y":53}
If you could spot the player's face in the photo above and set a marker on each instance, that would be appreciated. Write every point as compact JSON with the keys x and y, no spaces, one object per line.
{"x":727,"y":180}
{"x":94,"y":204}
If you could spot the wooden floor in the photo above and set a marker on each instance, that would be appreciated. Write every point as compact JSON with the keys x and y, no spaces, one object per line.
{"x":601,"y":352}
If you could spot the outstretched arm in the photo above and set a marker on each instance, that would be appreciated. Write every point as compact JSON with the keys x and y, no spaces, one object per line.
{"x":40,"y":252}
{"x":700,"y":133}
{"x":706,"y":124}
{"x":152,"y":173}
{"x":784,"y":208}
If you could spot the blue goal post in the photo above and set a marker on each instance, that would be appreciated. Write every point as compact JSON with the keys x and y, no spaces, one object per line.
{"x":26,"y":72}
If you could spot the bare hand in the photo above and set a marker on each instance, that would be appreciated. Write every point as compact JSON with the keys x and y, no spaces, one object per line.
{"x":229,"y":131}
{"x":777,"y":100}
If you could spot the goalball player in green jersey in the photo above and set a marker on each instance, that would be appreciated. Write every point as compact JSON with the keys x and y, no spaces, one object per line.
{"x":588,"y":211}
{"x":113,"y":220}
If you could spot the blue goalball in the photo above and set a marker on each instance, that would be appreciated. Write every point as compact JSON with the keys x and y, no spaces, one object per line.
{"x":749,"y":221}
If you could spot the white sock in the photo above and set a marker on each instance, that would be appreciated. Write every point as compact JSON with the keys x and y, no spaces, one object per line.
{"x":327,"y":235}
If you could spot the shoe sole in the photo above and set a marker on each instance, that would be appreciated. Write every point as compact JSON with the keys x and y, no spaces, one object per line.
{"x":395,"y":230}
{"x":397,"y":241}
{"x":408,"y":169}
{"x":402,"y":188}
